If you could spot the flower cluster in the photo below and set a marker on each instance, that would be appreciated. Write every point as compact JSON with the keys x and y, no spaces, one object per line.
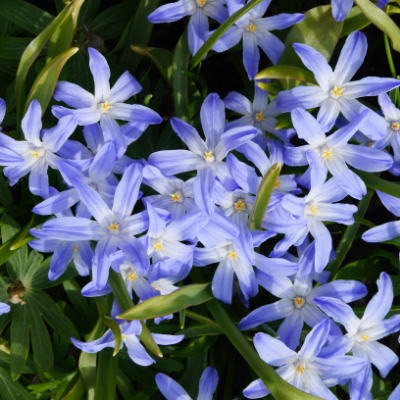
{"x":102,"y":221}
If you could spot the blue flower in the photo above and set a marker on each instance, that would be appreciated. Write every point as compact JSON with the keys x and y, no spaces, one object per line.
{"x":176,"y":195}
{"x":105,"y":105}
{"x":237,"y":257}
{"x":260,"y":114}
{"x":335,"y":92}
{"x":97,"y":178}
{"x":130,"y":338}
{"x":341,"y":8}
{"x":387,"y":231}
{"x":333,"y":152}
{"x":36,"y":155}
{"x":199,"y":11}
{"x":297,"y":305}
{"x":363,"y":335}
{"x":79,"y":251}
{"x":172,"y":390}
{"x":307,"y":370}
{"x":4,"y":308}
{"x":255,"y":32}
{"x":114,"y":228}
{"x":312,"y":209}
{"x":205,"y":157}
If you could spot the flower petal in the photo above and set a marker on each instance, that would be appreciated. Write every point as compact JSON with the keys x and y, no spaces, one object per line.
{"x":31,"y":124}
{"x":208,"y":384}
{"x":197,"y":29}
{"x":73,"y":95}
{"x":307,"y":127}
{"x":212,"y":115}
{"x":189,"y":136}
{"x":304,"y":97}
{"x":101,"y":74}
{"x":172,"y":162}
{"x":251,"y":54}
{"x":171,"y":389}
{"x":125,"y":87}
{"x":315,"y":340}
{"x":270,"y":44}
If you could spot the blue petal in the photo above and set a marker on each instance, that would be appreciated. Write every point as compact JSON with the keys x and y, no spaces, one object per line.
{"x":304,"y":97}
{"x":112,"y":132}
{"x":369,"y":86}
{"x":54,"y":138}
{"x":189,"y":135}
{"x":61,"y":258}
{"x":307,"y":127}
{"x":212,"y":115}
{"x":171,"y":389}
{"x":390,"y":202}
{"x":290,"y":330}
{"x":103,"y":163}
{"x":315,"y":340}
{"x":134,"y":112}
{"x":31,"y":124}
{"x":256,"y":390}
{"x":251,"y":54}
{"x":101,"y":260}
{"x":360,"y":385}
{"x":101,"y":75}
{"x":167,"y":340}
{"x":203,"y":187}
{"x":228,"y":40}
{"x":281,"y":21}
{"x":4,"y":308}
{"x":244,"y":174}
{"x":341,"y":9}
{"x":2,"y":110}
{"x":73,"y":95}
{"x":347,"y":291}
{"x":382,"y":233}
{"x":271,"y":45}
{"x":172,"y":162}
{"x":197,"y":30}
{"x":222,"y":283}
{"x":172,"y":12}
{"x":38,"y":179}
{"x":208,"y":384}
{"x":238,"y":103}
{"x":125,"y":87}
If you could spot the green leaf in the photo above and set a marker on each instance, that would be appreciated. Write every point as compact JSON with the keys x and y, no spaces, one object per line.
{"x":362,"y":269}
{"x":106,"y":381}
{"x":273,"y":88}
{"x":374,"y":182}
{"x":380,"y":19}
{"x":199,"y":330}
{"x":313,"y":32}
{"x":262,"y":197}
{"x":32,"y":52}
{"x":180,"y":81}
{"x":200,"y":80}
{"x":9,"y":232}
{"x":21,"y":238}
{"x":61,"y":39}
{"x":111,"y":22}
{"x":139,"y":34}
{"x":161,"y":58}
{"x":209,"y":43}
{"x":72,"y":388}
{"x":146,"y":393}
{"x":13,"y":47}
{"x":195,"y":347}
{"x":5,"y":193}
{"x":286,"y":72}
{"x":88,"y":362}
{"x":11,"y":390}
{"x":161,"y":306}
{"x":25,"y":15}
{"x":102,"y":307}
{"x":43,"y":87}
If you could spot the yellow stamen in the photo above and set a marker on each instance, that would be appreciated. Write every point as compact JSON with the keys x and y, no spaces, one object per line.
{"x":158,"y":247}
{"x":370,"y":144}
{"x":240,"y":205}
{"x":202,"y":2}
{"x":251,"y":28}
{"x":113,"y":226}
{"x":76,"y":248}
{"x":314,"y":209}
{"x":232,"y":254}
{"x":208,"y":155}
{"x":123,"y":337}
{"x":175,"y":197}
{"x":299,"y":369}
{"x":132,"y":276}
{"x":337,"y":91}
{"x":327,"y":154}
{"x":365,"y":337}
{"x":298,"y":301}
{"x":106,"y":106}
{"x":156,"y":288}
{"x":277,"y":184}
{"x":260,"y":116}
{"x":395,"y":126}
{"x":35,"y":154}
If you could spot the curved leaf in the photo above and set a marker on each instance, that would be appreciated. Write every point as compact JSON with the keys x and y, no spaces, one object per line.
{"x":43,"y":87}
{"x":161,"y":306}
{"x":286,"y":72}
{"x":374,"y":182}
{"x":201,"y":53}
{"x":106,"y":381}
{"x":195,"y":347}
{"x":102,"y":307}
{"x":11,"y":390}
{"x":161,"y":58}
{"x":262,"y":198}
{"x":32,"y":52}
{"x":180,"y":81}
{"x":380,"y":19}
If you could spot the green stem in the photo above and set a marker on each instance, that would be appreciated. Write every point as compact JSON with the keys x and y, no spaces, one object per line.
{"x":202,"y":319}
{"x":389,"y":56}
{"x":349,"y":235}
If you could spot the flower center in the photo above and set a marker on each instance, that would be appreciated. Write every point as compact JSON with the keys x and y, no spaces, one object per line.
{"x":132,"y":276}
{"x":123,"y":336}
{"x":232,"y":254}
{"x":251,"y":28}
{"x":105,"y":106}
{"x":208,"y":156}
{"x":175,"y":197}
{"x":202,"y":2}
{"x":365,"y":337}
{"x":314,"y":209}
{"x":113,"y":227}
{"x":277,"y":184}
{"x":37,"y":153}
{"x":260,"y":115}
{"x":75,"y":248}
{"x":240,"y":206}
{"x":299,"y":302}
{"x":300,"y":370}
{"x":156,"y":288}
{"x":338,"y":91}
{"x":158,"y":246}
{"x":327,"y":154}
{"x":370,"y":144}
{"x":395,"y":126}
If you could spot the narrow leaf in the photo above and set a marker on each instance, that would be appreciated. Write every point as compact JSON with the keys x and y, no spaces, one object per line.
{"x":161,"y":306}
{"x":286,"y":72}
{"x":380,"y":184}
{"x":11,"y":390}
{"x":43,"y":87}
{"x":380,"y":19}
{"x":106,"y":381}
{"x":262,"y":198}
{"x":195,"y":347}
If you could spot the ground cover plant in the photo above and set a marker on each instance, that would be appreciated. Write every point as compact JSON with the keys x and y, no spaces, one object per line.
{"x":199,"y":199}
